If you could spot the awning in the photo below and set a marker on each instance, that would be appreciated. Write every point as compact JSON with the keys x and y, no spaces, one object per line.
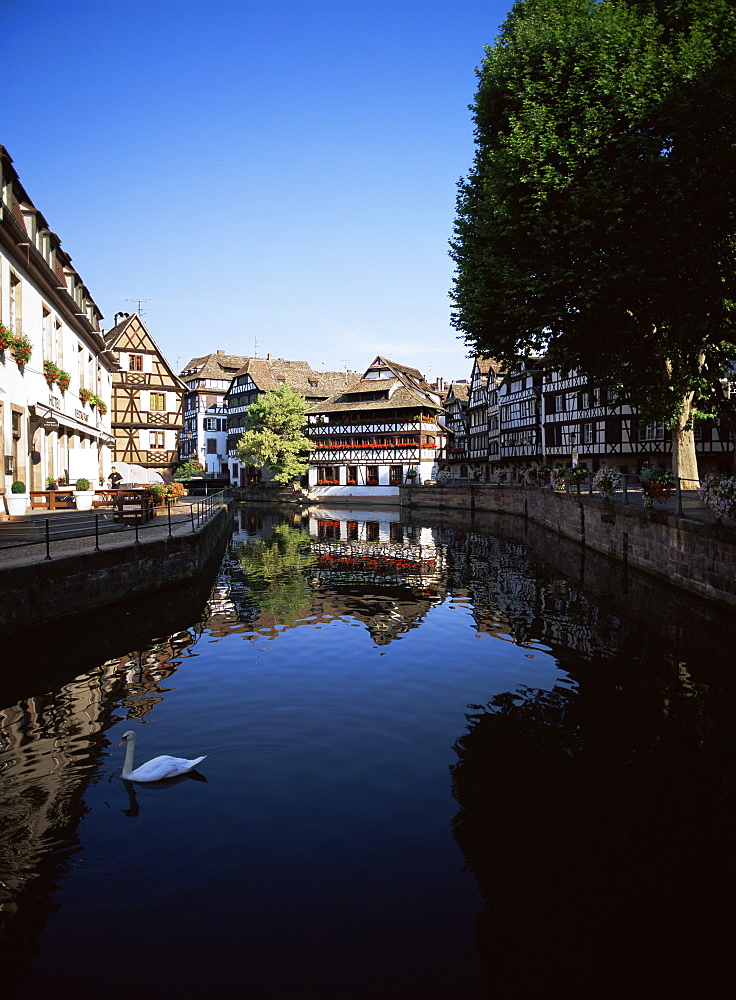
{"x":41,"y":411}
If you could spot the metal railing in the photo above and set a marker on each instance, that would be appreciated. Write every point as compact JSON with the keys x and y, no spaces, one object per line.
{"x":187,"y":515}
{"x":682,"y":500}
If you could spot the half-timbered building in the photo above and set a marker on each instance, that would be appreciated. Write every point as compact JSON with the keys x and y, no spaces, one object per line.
{"x":380,"y":432}
{"x":259,"y":376}
{"x":589,"y":425}
{"x":55,"y":371}
{"x":147,"y":399}
{"x":204,"y":437}
{"x":456,"y":449}
{"x":519,"y":417}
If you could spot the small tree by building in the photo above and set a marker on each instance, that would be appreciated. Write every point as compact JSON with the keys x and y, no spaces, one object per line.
{"x":189,"y":469}
{"x":273,"y":435}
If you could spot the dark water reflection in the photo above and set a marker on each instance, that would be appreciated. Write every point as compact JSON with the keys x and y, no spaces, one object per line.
{"x":444,"y":760}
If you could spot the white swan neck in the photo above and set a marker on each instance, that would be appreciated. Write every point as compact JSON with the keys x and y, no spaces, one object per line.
{"x":129,"y":752}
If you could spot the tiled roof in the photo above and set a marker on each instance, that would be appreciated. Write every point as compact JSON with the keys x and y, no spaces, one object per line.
{"x":402,"y":398}
{"x":270,"y":373}
{"x":220,"y":366}
{"x":407,"y":388}
{"x":459,"y":390}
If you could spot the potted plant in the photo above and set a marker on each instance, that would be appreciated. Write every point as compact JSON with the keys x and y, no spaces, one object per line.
{"x":50,"y":372}
{"x":411,"y":475}
{"x":4,"y":338}
{"x":50,"y":483}
{"x":83,"y":495}
{"x":85,"y":395}
{"x":63,"y":379}
{"x":18,"y":500}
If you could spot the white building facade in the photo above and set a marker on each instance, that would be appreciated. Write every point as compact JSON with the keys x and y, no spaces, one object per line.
{"x":383,"y":431}
{"x":55,"y":371}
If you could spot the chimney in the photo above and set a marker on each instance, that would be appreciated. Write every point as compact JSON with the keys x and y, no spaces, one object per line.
{"x":220,"y":352}
{"x":268,"y":357}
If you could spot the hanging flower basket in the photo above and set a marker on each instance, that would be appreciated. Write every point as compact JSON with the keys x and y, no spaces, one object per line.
{"x":21,"y":349}
{"x":51,"y":372}
{"x":85,"y":395}
{"x":719,"y":493}
{"x":656,"y":485}
{"x":102,"y":407}
{"x":4,"y":338}
{"x":607,"y":481}
{"x":63,"y":379}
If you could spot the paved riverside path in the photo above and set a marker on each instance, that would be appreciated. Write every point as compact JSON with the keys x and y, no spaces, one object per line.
{"x":73,"y":531}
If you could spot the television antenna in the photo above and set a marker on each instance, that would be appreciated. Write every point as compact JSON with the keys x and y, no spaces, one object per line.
{"x":139,"y":308}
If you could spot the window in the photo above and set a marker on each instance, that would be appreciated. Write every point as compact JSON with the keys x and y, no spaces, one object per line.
{"x":352,"y":531}
{"x":328,"y":529}
{"x":158,"y":401}
{"x":587,"y":434}
{"x":48,"y":334}
{"x":353,"y":476}
{"x":155,"y":439}
{"x":59,"y":337}
{"x":328,"y":475}
{"x":396,"y":475}
{"x":211,"y":446}
{"x":135,"y":362}
{"x":372,"y":531}
{"x":396,"y":532}
{"x":651,"y":432}
{"x":15,"y":311}
{"x":212,"y":424}
{"x":371,"y":475}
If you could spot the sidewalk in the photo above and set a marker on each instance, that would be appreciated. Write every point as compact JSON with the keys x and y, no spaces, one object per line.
{"x":111,"y":536}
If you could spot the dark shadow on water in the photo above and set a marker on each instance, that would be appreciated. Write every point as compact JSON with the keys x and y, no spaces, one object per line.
{"x":601,"y":835}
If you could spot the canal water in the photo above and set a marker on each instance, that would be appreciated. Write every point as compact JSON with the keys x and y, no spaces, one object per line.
{"x":444,"y":759}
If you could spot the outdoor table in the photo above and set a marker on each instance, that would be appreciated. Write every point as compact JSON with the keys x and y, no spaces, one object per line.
{"x":52,"y":499}
{"x":133,"y":503}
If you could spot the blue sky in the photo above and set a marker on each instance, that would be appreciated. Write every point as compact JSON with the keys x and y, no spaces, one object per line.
{"x":275,"y":176}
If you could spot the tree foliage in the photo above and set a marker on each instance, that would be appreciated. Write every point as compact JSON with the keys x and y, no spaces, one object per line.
{"x":273,"y":434}
{"x":189,"y":469}
{"x":597,"y":224}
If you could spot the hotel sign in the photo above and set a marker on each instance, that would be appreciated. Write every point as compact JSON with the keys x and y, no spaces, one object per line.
{"x":50,"y":424}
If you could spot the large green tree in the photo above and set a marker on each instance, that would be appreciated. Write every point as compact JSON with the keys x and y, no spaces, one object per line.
{"x":273,"y":434}
{"x":597,"y":224}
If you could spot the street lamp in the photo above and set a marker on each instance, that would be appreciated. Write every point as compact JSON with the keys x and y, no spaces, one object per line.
{"x":572,"y":440}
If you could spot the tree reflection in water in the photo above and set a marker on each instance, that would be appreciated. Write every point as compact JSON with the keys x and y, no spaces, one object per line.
{"x":277,"y":571}
{"x":596,"y":823}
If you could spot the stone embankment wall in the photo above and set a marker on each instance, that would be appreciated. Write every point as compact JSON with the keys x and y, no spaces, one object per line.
{"x":76,"y":582}
{"x":698,"y":557}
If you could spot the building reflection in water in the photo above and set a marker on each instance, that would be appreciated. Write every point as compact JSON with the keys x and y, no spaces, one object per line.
{"x":579,"y":809}
{"x":50,"y":747}
{"x":325,"y":565}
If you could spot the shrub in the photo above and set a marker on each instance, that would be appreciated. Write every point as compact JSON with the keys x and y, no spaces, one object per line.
{"x":82,"y":485}
{"x":18,"y":487}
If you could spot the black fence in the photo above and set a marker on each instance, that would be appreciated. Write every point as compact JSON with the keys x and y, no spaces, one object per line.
{"x":65,"y":525}
{"x":682,"y":499}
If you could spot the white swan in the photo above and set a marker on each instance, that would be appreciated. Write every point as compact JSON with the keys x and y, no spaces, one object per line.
{"x":156,"y":769}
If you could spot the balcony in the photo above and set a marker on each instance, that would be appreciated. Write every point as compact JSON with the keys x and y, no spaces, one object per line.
{"x":361,"y":430}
